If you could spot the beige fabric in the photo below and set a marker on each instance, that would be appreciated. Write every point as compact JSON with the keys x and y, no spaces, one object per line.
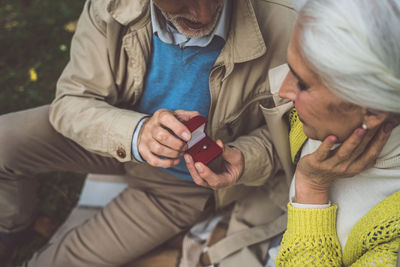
{"x":117,"y":234}
{"x":254,"y":222}
{"x":155,"y":206}
{"x":29,"y":145}
{"x":166,"y":255}
{"x":93,"y":107}
{"x":244,"y":239}
{"x":108,"y":66}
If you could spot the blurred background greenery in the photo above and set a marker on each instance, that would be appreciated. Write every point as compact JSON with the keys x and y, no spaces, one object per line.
{"x":35,"y":37}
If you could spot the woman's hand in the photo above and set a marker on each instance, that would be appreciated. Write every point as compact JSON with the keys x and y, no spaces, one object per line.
{"x":316,"y":172}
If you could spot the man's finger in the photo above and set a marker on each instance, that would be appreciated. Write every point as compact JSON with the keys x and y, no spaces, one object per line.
{"x":207,"y":175}
{"x":186,"y":115}
{"x":220,"y":144}
{"x":156,"y":161}
{"x":193,"y":171}
{"x":169,"y":121}
{"x":166,"y":138}
{"x":163,"y":151}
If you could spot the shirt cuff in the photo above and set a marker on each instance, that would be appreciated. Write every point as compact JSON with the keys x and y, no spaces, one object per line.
{"x":135,"y":149}
{"x":309,"y":206}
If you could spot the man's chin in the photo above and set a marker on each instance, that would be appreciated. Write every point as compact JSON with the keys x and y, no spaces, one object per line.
{"x":189,"y":32}
{"x":192,"y":25}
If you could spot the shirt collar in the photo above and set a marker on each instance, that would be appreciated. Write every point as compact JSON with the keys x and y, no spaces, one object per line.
{"x":168,"y":34}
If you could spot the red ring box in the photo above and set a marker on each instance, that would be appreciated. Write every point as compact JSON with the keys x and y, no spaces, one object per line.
{"x":201,"y":147}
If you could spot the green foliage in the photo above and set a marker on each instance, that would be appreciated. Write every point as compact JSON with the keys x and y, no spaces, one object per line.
{"x":33,"y":40}
{"x":31,"y":33}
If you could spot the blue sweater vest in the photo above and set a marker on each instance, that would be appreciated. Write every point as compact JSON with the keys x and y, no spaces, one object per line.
{"x":179,"y":79}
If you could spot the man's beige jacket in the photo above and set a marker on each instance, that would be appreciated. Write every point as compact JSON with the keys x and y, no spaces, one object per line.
{"x":97,"y":92}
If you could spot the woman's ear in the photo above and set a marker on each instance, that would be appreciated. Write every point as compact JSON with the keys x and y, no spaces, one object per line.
{"x":374,"y":118}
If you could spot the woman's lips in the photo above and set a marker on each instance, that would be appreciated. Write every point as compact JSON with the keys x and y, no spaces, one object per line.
{"x":192,"y":25}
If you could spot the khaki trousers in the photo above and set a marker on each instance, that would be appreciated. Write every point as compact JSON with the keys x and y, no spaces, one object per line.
{"x":155,"y":206}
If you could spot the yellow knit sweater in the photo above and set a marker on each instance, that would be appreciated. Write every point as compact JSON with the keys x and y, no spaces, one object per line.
{"x":311,"y":240}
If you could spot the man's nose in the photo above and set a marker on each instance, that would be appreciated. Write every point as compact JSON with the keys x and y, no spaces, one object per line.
{"x":289,"y":88}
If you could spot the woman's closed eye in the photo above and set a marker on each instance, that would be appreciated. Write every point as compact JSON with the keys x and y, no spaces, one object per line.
{"x":302,"y":86}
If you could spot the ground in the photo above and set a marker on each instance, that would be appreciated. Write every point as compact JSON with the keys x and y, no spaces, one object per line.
{"x":35,"y":36}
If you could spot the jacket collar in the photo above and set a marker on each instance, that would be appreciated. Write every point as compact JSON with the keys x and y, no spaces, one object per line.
{"x":128,"y":11}
{"x":245,"y":41}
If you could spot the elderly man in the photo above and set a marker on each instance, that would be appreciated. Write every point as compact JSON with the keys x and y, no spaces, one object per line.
{"x":137,"y":69}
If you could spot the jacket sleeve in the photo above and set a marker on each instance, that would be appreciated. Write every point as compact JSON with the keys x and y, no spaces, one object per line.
{"x":260,"y":160}
{"x":260,"y":147}
{"x":310,"y":238}
{"x":84,"y":109}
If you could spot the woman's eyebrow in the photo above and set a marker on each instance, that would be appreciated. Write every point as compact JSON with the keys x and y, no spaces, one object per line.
{"x":296,"y":75}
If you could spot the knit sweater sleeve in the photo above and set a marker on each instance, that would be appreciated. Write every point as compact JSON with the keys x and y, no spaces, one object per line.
{"x":310,"y":238}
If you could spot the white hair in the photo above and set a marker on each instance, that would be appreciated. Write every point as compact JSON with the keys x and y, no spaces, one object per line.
{"x":354,"y":47}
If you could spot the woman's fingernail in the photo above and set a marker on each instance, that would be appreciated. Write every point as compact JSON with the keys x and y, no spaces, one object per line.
{"x":360,"y":132}
{"x":198,"y":167}
{"x":388,"y":127}
{"x":332,"y":139}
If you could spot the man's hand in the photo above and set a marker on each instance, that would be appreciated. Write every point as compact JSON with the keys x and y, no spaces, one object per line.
{"x":204,"y":176}
{"x":316,"y":172}
{"x":163,"y":136}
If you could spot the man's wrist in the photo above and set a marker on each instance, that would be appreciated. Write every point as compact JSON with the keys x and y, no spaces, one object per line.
{"x":135,"y":141}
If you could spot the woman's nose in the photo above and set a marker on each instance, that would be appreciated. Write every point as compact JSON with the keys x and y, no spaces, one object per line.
{"x":289,"y":88}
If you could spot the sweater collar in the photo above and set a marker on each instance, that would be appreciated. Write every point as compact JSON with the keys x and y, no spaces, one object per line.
{"x":128,"y":11}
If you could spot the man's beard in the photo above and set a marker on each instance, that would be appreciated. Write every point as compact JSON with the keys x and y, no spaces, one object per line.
{"x":177,"y":21}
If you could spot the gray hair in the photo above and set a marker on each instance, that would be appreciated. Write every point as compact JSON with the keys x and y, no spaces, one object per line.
{"x":354,"y":47}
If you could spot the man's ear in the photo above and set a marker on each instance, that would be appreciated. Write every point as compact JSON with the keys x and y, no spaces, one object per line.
{"x":374,"y":118}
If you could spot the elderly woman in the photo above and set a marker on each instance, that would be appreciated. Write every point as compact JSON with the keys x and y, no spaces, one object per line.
{"x":344,"y":78}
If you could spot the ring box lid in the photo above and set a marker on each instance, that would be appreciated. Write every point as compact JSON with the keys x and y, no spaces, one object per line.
{"x":201,"y":147}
